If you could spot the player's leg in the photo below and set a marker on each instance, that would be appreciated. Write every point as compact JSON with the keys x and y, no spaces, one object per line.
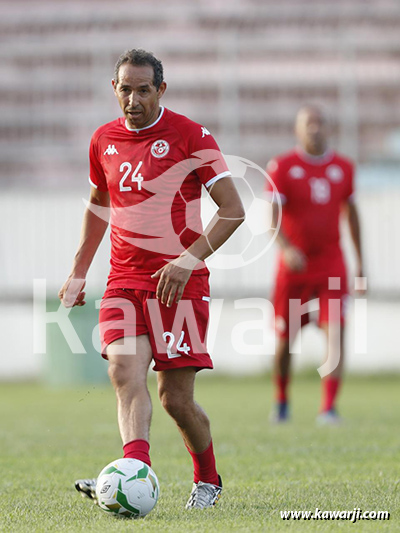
{"x":177,"y":335}
{"x":333,"y":304}
{"x":125,"y":344}
{"x":176,"y":392}
{"x":281,"y":376}
{"x":331,"y":383}
{"x":129,"y":359}
{"x":287,"y":288}
{"x":282,"y":359}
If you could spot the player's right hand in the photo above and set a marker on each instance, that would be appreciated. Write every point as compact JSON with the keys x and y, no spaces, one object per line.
{"x":71,"y":293}
{"x":294,"y":258}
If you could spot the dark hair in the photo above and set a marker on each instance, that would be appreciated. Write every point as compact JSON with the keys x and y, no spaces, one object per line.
{"x":140,"y":57}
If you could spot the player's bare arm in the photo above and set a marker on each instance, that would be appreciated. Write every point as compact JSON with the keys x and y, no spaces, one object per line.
{"x":174,"y":276}
{"x":293,"y":256}
{"x":92,"y":232}
{"x":355,"y":232}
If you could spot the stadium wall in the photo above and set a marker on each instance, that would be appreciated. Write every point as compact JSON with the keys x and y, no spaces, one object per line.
{"x":234,"y":350}
{"x":41,"y":232}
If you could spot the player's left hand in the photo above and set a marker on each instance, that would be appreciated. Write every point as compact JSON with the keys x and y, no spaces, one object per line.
{"x":71,"y":293}
{"x":172,"y":279}
{"x":360,"y":274}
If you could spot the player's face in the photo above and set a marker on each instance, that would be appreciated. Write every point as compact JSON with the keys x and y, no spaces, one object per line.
{"x":312,"y":131}
{"x":137,"y":96}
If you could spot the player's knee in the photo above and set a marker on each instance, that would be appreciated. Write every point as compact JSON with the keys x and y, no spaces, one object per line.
{"x":174,"y":404}
{"x":169,"y":403}
{"x":118,"y":374}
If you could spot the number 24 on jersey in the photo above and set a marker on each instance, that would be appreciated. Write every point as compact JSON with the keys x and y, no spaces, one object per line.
{"x":136,"y":176}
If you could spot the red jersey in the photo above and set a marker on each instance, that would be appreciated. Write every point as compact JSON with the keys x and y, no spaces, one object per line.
{"x":313,"y":190}
{"x":154,"y":178}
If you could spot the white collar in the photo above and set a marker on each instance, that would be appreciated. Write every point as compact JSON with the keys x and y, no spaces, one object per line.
{"x":315,"y":159}
{"x":146,"y":127}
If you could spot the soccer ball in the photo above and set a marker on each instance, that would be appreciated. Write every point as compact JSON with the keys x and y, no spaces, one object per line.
{"x":127,"y":488}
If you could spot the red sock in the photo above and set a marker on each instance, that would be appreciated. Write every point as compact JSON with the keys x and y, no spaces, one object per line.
{"x":330,"y":390}
{"x":204,"y":466}
{"x":137,"y":449}
{"x":281,"y":383}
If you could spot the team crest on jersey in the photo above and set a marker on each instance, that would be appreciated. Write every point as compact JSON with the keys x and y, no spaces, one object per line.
{"x":159,"y":148}
{"x":297,"y":173}
{"x":334,"y":173}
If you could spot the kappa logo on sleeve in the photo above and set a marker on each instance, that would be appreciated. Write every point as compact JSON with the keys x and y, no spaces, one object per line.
{"x":111,"y":150}
{"x":204,"y":132}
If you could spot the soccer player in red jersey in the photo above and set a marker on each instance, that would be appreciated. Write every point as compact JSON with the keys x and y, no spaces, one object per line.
{"x":315,"y":185}
{"x":147,"y":170}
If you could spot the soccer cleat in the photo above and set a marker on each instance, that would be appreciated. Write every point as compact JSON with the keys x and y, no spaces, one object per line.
{"x":280,"y":414}
{"x":87,"y":488}
{"x":204,"y":495}
{"x":329,"y":418}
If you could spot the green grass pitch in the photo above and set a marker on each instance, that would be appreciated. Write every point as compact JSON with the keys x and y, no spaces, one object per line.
{"x":48,"y":438}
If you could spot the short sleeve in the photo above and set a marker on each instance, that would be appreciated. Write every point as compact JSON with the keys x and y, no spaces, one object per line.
{"x":211,"y":165}
{"x":96,"y":174}
{"x":277,"y":178}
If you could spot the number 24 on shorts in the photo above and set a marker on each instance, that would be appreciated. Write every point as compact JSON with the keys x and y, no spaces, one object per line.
{"x":168,"y":335}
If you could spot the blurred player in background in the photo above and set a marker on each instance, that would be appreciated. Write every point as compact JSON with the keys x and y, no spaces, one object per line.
{"x":315,"y":185}
{"x":144,"y":160}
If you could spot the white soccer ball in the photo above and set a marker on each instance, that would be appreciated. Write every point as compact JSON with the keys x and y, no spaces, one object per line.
{"x":127,"y":488}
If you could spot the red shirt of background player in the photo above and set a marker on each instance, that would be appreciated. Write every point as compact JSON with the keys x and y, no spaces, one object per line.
{"x":312,"y":191}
